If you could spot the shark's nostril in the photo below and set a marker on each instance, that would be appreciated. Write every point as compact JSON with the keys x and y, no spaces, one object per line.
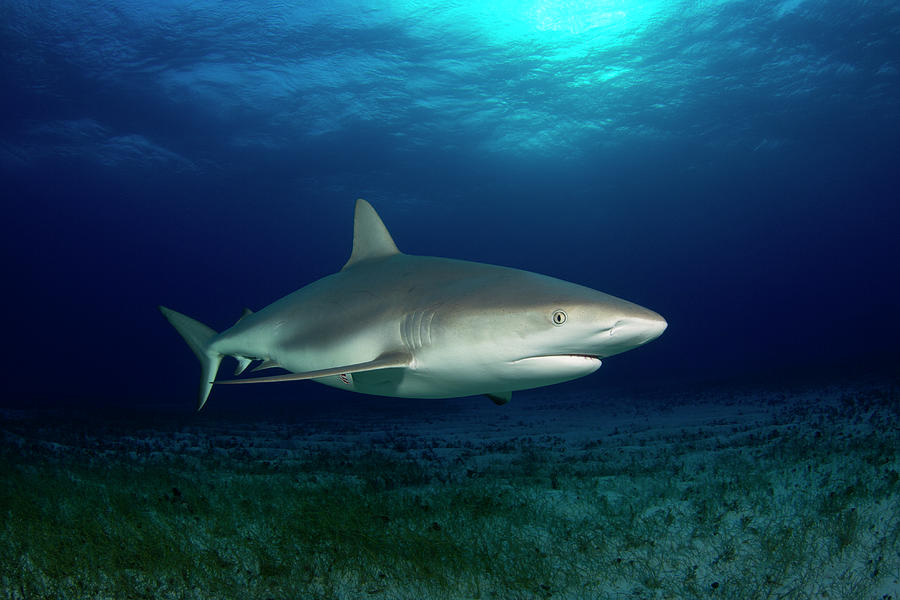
{"x":634,"y":331}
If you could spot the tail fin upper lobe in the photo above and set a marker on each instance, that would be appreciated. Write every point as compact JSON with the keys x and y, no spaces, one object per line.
{"x":198,"y":337}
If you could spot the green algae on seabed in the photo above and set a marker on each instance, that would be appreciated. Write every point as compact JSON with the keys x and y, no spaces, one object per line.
{"x":800,"y":504}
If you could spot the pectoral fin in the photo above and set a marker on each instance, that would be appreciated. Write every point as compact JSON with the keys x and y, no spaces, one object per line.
{"x":390,"y":360}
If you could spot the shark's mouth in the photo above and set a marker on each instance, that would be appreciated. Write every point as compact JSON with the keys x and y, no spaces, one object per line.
{"x":554,"y":368}
{"x":589,"y":356}
{"x":559,"y":358}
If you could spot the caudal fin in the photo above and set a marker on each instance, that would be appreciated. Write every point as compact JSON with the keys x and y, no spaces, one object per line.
{"x":198,"y":336}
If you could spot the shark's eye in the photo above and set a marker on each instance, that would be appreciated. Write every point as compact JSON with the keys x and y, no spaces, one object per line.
{"x":558,"y":317}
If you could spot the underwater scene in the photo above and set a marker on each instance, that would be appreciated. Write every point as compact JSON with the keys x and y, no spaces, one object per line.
{"x":456,"y":300}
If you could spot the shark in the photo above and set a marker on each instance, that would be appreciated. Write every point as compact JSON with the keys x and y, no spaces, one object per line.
{"x":395,"y":324}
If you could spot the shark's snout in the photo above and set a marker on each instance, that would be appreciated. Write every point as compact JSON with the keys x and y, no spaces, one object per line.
{"x":630,"y":331}
{"x":636,"y":331}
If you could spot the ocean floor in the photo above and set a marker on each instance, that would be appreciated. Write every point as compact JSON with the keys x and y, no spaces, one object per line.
{"x":770,"y":492}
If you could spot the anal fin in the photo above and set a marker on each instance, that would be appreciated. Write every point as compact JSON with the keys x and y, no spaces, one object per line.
{"x":243,"y":363}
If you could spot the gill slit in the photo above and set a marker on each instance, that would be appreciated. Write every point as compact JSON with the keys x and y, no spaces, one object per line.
{"x":415,"y":329}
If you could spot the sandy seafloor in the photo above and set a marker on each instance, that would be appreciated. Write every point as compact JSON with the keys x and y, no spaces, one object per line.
{"x":770,"y":491}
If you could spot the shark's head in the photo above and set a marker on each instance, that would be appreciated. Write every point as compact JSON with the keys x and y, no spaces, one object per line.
{"x":530,"y":330}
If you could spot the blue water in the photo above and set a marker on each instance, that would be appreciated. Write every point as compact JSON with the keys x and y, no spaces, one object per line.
{"x":732,"y":165}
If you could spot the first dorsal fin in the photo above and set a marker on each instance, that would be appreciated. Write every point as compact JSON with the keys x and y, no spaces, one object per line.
{"x":370,"y":237}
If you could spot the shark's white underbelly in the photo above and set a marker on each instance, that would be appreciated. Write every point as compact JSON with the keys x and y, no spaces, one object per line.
{"x":466,"y":380}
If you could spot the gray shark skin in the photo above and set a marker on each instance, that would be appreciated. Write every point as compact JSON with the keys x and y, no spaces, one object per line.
{"x":394,"y":324}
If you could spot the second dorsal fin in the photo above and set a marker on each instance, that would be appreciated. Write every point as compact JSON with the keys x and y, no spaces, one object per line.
{"x":371,"y":238}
